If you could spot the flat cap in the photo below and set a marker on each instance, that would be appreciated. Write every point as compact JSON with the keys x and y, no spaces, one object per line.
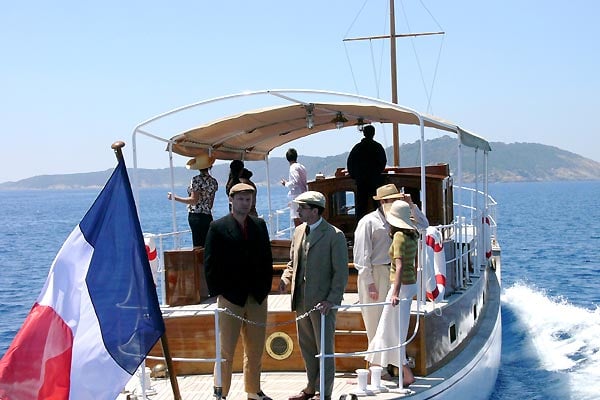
{"x":311,"y":197}
{"x":240,"y":187}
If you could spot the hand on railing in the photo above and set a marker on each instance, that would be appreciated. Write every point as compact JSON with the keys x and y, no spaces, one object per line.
{"x":324,"y":307}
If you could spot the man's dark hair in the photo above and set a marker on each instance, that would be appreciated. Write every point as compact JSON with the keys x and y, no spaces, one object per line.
{"x":236,"y":166}
{"x":369,"y":131}
{"x":291,"y":155}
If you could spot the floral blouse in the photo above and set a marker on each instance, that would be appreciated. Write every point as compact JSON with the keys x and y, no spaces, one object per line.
{"x":206,"y":186}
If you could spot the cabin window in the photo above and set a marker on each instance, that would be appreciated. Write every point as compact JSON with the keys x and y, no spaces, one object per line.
{"x":343,"y":203}
{"x":452,"y":333}
{"x":474,"y":312}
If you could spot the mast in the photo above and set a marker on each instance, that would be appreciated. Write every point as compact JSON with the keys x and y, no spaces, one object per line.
{"x":394,"y":82}
{"x":394,"y":71}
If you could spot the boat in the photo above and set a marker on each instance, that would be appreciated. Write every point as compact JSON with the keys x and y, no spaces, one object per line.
{"x":454,"y":341}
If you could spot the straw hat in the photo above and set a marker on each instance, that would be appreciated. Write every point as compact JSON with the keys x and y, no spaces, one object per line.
{"x":202,"y":161}
{"x":311,"y":197}
{"x":389,"y":191}
{"x":399,"y":215}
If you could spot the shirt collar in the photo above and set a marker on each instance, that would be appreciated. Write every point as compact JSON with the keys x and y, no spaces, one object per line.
{"x":313,"y":226}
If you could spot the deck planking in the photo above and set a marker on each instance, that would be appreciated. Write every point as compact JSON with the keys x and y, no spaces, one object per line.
{"x":278,"y":385}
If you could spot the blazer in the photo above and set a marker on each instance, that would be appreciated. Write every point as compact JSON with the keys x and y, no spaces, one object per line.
{"x":234,"y":267}
{"x":326,"y":270}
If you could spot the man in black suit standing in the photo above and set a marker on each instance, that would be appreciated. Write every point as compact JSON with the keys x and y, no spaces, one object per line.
{"x":365,"y":164}
{"x":239,"y":268}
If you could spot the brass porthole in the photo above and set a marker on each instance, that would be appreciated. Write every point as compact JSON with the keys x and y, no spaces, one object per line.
{"x":279,"y":345}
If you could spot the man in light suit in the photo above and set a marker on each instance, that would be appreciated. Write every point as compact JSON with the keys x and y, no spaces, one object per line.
{"x":318,"y":273}
{"x":239,"y":268}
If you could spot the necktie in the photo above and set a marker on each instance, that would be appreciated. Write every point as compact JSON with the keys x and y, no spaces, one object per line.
{"x":307,"y":230}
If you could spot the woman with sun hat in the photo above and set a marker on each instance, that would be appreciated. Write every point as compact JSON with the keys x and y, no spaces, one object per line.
{"x":403,"y":275}
{"x":200,"y":199}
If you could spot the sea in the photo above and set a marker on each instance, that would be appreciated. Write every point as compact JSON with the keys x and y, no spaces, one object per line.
{"x":550,"y":238}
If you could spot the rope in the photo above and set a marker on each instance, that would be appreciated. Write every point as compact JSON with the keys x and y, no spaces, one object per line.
{"x":248,"y":321}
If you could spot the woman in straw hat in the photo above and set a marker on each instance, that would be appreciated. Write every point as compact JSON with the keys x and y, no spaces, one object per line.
{"x":403,"y":274}
{"x":200,"y":199}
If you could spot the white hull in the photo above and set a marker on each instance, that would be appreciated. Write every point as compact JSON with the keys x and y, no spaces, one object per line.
{"x":471,"y":375}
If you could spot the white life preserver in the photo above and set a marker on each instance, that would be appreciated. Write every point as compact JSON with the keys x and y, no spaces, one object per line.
{"x":487,"y":237}
{"x":435,"y":265}
{"x":152,"y":256}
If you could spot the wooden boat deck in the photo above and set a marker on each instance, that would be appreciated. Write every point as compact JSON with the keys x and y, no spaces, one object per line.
{"x":278,"y":385}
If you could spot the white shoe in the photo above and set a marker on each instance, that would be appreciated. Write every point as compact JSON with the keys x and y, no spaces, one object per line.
{"x":258,"y":396}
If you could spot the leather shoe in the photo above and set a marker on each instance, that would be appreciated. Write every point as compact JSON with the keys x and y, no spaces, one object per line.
{"x":302,"y":396}
{"x":318,"y":397}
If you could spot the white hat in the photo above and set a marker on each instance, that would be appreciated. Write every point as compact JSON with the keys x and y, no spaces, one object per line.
{"x":399,"y":215}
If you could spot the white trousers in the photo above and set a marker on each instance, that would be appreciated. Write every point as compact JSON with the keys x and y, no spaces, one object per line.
{"x":389,"y":333}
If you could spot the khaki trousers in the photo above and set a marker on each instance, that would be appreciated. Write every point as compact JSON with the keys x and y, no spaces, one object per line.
{"x":253,"y":340}
{"x":371,"y":315}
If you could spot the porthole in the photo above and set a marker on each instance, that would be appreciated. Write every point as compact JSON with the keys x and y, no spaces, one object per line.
{"x":279,"y":345}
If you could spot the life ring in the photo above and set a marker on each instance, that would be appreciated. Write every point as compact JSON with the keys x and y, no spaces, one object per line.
{"x":152,"y":256}
{"x":487,"y":237}
{"x":435,"y":265}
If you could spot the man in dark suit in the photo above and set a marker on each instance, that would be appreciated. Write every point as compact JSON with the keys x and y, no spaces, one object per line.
{"x":318,"y":273}
{"x":239,"y":269}
{"x":365,"y":164}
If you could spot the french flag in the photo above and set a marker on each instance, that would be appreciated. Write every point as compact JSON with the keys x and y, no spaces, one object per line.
{"x":97,"y":316}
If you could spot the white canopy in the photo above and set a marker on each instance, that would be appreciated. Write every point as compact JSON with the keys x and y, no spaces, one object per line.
{"x":251,"y":135}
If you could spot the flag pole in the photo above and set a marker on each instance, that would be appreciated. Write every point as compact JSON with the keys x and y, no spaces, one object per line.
{"x":170,"y":368}
{"x":117,"y":146}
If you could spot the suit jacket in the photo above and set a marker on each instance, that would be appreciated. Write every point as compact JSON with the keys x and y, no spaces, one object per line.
{"x":234,"y":267}
{"x":326,"y":270}
{"x":366,"y":162}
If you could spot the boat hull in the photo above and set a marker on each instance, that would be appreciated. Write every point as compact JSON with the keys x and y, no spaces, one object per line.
{"x":471,"y":374}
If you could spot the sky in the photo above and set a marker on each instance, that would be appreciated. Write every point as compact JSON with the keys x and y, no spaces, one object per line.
{"x":77,"y":76}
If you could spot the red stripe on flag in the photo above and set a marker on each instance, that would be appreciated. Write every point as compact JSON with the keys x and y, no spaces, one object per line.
{"x":37,"y":365}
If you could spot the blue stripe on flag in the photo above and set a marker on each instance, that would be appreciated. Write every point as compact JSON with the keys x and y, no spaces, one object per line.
{"x":119,"y":278}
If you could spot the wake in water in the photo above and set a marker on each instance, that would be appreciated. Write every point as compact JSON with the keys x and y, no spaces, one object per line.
{"x":562,"y":338}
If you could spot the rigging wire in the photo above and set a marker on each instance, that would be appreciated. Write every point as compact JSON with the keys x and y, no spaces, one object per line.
{"x":414,"y":48}
{"x":377,"y":74}
{"x":437,"y":64}
{"x":377,"y":70}
{"x":346,"y":46}
{"x":439,"y":57}
{"x":428,"y":91}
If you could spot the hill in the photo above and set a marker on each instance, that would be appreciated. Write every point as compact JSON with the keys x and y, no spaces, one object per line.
{"x":507,"y":163}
